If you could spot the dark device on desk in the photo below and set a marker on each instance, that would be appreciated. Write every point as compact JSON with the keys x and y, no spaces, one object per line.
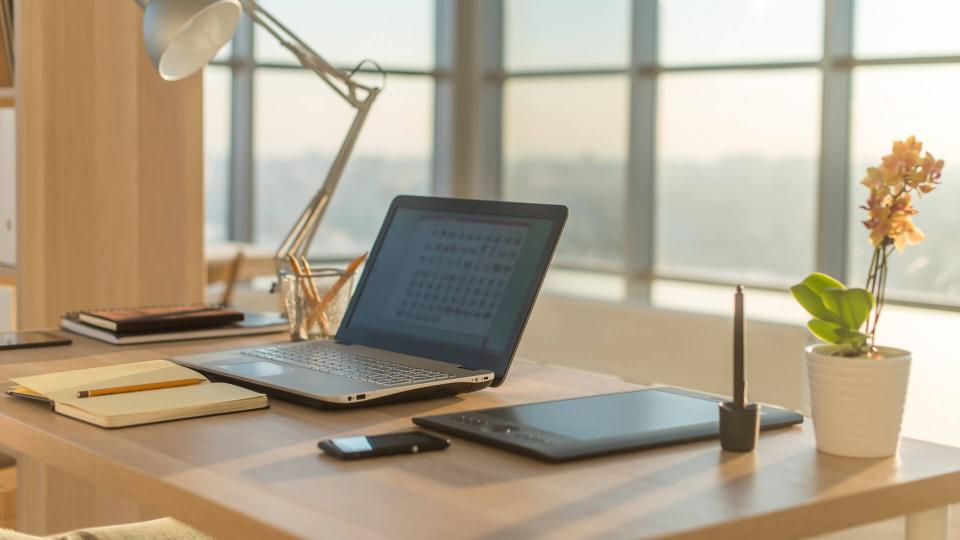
{"x":28,"y":340}
{"x":438,"y":311}
{"x":388,"y":444}
{"x":597,"y":425}
{"x":739,"y":420}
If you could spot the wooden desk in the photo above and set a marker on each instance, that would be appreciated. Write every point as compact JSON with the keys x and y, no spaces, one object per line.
{"x":258,"y":474}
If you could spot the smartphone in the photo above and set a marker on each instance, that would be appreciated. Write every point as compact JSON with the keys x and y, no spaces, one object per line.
{"x":404,"y":442}
{"x":25,"y":340}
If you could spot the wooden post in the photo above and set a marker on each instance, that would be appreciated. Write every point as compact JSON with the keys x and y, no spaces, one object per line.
{"x":110,"y":165}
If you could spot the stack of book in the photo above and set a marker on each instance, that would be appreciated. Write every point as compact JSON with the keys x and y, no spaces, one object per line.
{"x":122,"y":326}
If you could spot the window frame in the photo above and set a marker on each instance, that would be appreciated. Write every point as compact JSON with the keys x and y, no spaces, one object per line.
{"x":469,"y":76}
{"x":243,"y":67}
{"x":833,"y":204}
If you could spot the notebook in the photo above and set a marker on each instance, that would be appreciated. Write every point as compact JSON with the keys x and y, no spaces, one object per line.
{"x":253,"y":323}
{"x":154,"y":318}
{"x":135,"y":408}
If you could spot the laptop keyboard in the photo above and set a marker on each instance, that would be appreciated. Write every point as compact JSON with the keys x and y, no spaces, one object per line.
{"x":352,"y":366}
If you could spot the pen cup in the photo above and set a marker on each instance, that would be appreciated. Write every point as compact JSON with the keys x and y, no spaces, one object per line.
{"x":315,"y":303}
{"x":739,"y":426}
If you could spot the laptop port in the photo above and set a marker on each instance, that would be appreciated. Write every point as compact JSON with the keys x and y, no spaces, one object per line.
{"x":361,"y":396}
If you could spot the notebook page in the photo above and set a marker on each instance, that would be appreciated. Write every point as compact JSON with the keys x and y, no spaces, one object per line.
{"x":64,"y":385}
{"x":161,"y":402}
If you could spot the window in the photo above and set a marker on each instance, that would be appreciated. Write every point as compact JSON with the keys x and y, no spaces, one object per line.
{"x":216,"y":149}
{"x":737,"y":173}
{"x":577,"y":158}
{"x":934,"y":33}
{"x":565,"y":128}
{"x":398,"y":35}
{"x":887,"y":107}
{"x":735,"y":150}
{"x":902,"y":87}
{"x":693,"y":140}
{"x":710,"y":33}
{"x":567,"y":34}
{"x":298,"y":123}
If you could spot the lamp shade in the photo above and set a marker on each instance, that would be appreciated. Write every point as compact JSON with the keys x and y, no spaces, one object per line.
{"x":182,"y":36}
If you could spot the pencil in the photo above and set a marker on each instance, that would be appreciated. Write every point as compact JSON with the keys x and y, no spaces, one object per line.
{"x":308,"y":289}
{"x":137,"y":387}
{"x":317,"y":311}
{"x":312,"y":286}
{"x":351,"y":269}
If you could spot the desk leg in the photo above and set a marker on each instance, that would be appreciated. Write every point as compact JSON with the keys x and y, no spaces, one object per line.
{"x":933,"y":524}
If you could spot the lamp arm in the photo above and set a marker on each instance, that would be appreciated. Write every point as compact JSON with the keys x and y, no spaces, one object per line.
{"x":359,"y":96}
{"x":301,"y":234}
{"x":307,"y":57}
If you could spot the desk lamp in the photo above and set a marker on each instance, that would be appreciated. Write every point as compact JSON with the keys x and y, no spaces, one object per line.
{"x":182,"y":36}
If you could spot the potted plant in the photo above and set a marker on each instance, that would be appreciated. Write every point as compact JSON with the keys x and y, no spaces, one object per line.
{"x":857,"y":388}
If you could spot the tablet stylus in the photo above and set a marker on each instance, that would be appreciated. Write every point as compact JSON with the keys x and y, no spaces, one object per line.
{"x":739,"y":378}
{"x":739,"y":420}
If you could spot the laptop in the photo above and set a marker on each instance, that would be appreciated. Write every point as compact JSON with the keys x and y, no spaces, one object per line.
{"x":438,"y":311}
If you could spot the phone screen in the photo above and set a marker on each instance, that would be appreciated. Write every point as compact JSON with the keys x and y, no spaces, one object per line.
{"x":380,"y":445}
{"x":19,"y":340}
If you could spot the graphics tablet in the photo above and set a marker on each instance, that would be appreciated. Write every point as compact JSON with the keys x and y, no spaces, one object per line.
{"x":597,"y":425}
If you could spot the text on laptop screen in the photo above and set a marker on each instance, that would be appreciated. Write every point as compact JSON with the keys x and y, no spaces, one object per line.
{"x":451,"y":277}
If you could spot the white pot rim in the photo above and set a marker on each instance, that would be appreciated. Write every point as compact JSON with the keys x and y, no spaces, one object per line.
{"x":825,"y":350}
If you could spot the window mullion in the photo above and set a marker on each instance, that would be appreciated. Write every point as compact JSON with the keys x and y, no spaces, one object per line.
{"x":467,"y":108}
{"x":833,"y":195}
{"x":640,"y":222}
{"x":240,"y":208}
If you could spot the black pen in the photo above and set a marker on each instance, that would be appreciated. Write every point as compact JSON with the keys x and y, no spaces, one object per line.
{"x":739,"y":377}
{"x":739,"y":420}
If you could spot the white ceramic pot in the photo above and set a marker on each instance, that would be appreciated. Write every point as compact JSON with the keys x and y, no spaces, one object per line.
{"x":857,"y":402}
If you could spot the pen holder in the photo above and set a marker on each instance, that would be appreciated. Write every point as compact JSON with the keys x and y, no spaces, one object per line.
{"x":739,"y":426}
{"x":315,"y":303}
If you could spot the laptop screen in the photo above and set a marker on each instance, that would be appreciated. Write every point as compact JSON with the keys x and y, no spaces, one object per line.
{"x":453,"y":284}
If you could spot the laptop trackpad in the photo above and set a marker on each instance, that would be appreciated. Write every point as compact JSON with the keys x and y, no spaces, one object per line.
{"x":255,"y":369}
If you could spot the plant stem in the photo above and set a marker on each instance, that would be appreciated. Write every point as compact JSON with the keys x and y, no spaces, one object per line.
{"x":872,"y":272}
{"x":878,"y":288}
{"x":871,"y":284}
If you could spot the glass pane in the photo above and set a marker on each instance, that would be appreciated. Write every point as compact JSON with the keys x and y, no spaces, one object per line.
{"x":545,"y":34}
{"x":891,"y":103}
{"x":393,"y":33}
{"x":575,"y":157}
{"x":896,"y":28}
{"x":300,"y":125}
{"x":737,"y":174}
{"x":216,"y":151}
{"x":224,"y":54}
{"x":740,"y":31}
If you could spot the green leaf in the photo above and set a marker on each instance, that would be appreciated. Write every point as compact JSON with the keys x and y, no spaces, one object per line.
{"x":810,"y":301}
{"x":824,"y":330}
{"x":818,"y":282}
{"x":851,"y":305}
{"x":858,"y":340}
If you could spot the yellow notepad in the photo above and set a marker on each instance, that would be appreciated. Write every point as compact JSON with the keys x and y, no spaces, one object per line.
{"x":135,"y":408}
